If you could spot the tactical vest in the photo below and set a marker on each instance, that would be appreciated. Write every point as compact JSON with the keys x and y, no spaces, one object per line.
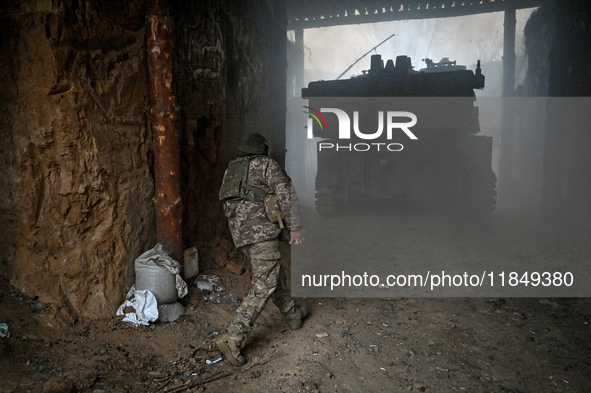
{"x":235,"y":185}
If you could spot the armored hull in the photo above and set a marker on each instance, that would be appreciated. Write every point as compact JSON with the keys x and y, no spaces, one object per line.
{"x":399,"y":134}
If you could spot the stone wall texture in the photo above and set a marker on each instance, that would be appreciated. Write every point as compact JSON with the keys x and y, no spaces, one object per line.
{"x":76,"y":202}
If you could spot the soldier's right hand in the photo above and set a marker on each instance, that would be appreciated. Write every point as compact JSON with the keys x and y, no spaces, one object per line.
{"x":297,"y":237}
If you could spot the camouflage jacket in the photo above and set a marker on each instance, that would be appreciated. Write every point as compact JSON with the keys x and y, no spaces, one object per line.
{"x":247,"y":220}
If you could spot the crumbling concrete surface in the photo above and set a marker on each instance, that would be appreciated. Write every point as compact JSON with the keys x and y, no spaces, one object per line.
{"x":76,"y":202}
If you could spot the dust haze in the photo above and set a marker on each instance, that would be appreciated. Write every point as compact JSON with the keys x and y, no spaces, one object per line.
{"x":330,"y":51}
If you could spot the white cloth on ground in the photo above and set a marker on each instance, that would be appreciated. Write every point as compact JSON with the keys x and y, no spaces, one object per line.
{"x":145,"y":305}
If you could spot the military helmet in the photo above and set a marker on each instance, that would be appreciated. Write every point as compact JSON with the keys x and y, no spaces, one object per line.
{"x":254,"y":144}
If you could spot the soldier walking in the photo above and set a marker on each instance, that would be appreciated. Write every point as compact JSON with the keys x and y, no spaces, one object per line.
{"x":259,"y":200}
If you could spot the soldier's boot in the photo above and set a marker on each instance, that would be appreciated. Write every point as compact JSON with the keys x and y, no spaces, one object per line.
{"x":229,"y":346}
{"x":295,"y":321}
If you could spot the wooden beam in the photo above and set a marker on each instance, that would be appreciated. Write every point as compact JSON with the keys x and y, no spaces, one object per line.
{"x":163,"y":116}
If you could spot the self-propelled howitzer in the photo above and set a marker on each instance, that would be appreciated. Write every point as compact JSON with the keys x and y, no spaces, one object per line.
{"x":397,"y":133}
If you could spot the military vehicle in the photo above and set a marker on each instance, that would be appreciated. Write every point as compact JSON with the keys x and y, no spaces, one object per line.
{"x":425,"y":147}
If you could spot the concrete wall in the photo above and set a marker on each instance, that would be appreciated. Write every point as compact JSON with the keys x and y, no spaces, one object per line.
{"x":230,"y":70}
{"x":567,"y":159}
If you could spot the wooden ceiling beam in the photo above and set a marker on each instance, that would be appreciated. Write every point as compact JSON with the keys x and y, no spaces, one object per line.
{"x":307,"y":15}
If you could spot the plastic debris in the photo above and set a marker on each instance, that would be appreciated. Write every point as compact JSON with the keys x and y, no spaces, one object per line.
{"x":209,"y":283}
{"x":321,"y":335}
{"x":222,"y":298}
{"x":191,"y":260}
{"x":4,"y":333}
{"x":213,"y":361}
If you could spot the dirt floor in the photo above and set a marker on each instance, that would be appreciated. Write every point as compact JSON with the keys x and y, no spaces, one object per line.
{"x":346,"y":344}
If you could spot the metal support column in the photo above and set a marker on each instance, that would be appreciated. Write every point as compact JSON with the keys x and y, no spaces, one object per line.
{"x":299,"y":66}
{"x":507,"y":128}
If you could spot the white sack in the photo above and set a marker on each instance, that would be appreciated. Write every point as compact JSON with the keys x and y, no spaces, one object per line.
{"x":159,"y":273}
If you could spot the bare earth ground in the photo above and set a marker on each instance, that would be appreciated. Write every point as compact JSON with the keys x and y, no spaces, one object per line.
{"x":346,"y":345}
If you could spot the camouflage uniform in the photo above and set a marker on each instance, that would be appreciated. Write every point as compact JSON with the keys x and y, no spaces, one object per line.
{"x":268,"y":281}
{"x":248,"y":220}
{"x":257,"y":237}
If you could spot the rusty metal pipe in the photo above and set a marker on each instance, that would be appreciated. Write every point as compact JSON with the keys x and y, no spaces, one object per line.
{"x":163,"y":116}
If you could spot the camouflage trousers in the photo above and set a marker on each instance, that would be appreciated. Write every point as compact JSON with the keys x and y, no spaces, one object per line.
{"x":268,"y":281}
